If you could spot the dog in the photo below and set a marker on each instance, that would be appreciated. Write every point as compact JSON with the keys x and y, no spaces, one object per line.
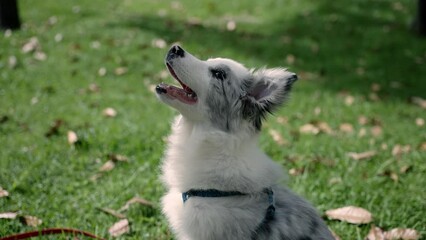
{"x":220,"y":185}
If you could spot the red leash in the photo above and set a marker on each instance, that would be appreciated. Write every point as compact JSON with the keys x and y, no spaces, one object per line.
{"x":50,"y":231}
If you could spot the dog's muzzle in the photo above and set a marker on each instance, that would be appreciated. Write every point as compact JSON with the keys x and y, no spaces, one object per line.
{"x":175,"y":52}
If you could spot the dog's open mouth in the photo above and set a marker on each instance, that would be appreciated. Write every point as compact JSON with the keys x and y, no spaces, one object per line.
{"x":184,"y":94}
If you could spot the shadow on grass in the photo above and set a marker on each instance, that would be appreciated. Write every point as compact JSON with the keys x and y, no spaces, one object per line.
{"x":338,"y":47}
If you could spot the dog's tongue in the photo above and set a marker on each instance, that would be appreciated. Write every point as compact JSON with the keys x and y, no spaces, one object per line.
{"x":181,"y":94}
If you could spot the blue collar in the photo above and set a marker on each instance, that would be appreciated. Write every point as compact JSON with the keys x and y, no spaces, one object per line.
{"x":270,"y":211}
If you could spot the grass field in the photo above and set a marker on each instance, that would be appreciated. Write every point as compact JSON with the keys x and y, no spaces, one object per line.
{"x":359,"y":67}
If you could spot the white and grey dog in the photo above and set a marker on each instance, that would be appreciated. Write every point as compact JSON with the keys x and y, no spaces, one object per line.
{"x":220,"y":185}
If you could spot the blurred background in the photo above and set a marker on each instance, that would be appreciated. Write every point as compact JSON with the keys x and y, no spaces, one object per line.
{"x":81,"y":130}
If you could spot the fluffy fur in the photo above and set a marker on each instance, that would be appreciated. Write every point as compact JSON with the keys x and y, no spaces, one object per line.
{"x":213,"y":145}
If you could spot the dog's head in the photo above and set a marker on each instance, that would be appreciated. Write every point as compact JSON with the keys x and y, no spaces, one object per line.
{"x":222,"y":92}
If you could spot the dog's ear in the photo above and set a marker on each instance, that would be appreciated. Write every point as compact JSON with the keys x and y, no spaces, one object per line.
{"x":267,"y":90}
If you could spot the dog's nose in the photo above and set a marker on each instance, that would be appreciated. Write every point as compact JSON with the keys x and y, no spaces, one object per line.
{"x":293,"y":77}
{"x":178,"y":51}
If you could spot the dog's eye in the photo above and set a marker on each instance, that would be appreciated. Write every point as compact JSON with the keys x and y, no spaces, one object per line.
{"x":218,"y":74}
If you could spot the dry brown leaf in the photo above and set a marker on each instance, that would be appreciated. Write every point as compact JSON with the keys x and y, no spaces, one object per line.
{"x":119,"y":228}
{"x":376,"y":131}
{"x":309,"y":128}
{"x":108,"y":166}
{"x":324,"y":127}
{"x":12,"y":62}
{"x":420,"y":122}
{"x":231,"y":25}
{"x":8,"y":215}
{"x":362,"y":155}
{"x":402,"y":233}
{"x":31,"y":45}
{"x":296,"y":171}
{"x":93,"y":87}
{"x":404,"y":169}
{"x":120,"y":71}
{"x":375,"y":233}
{"x":95,"y":177}
{"x":375,"y":87}
{"x":362,"y":132}
{"x":276,"y":136}
{"x":335,"y":180}
{"x":31,"y":221}
{"x":112,"y":212}
{"x":349,"y":100}
{"x":350,"y":214}
{"x":397,"y":150}
{"x":117,"y":157}
{"x":134,"y":200}
{"x":3,"y":193}
{"x":362,"y":120}
{"x":102,"y":71}
{"x":109,"y":112}
{"x":282,"y":120}
{"x":419,"y":102}
{"x":40,"y":56}
{"x":346,"y":128}
{"x":290,"y":59}
{"x":72,"y":137}
{"x":422,"y":146}
{"x":159,"y":43}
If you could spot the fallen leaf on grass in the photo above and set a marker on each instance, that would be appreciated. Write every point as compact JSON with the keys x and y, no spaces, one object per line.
{"x":401,"y":233}
{"x":119,"y":228}
{"x":362,"y":155}
{"x":31,"y":45}
{"x":276,"y":136}
{"x":309,"y":128}
{"x":420,"y":122}
{"x":108,"y":166}
{"x":422,"y":146}
{"x":109,"y":112}
{"x":349,"y":100}
{"x":282,"y":120}
{"x":296,"y":171}
{"x":40,"y":56}
{"x":93,"y":87}
{"x":12,"y":62}
{"x":120,"y":71}
{"x":159,"y":43}
{"x":375,"y":233}
{"x":112,"y":212}
{"x":3,"y":193}
{"x":346,"y":128}
{"x":231,"y":25}
{"x":419,"y":102}
{"x":102,"y":71}
{"x":362,"y":120}
{"x":117,"y":157}
{"x":137,"y":200}
{"x":398,"y":150}
{"x":324,"y":127}
{"x":31,"y":221}
{"x":8,"y":215}
{"x":376,"y":131}
{"x":350,"y":214}
{"x":72,"y":137}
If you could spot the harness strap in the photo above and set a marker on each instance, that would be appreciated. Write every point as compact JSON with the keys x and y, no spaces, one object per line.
{"x":209,"y":193}
{"x":270,"y":211}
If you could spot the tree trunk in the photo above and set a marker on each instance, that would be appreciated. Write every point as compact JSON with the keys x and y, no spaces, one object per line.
{"x":9,"y":15}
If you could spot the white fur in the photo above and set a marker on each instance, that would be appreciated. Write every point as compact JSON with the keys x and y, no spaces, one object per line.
{"x":201,"y":156}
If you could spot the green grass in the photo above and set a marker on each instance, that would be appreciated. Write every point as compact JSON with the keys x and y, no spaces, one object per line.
{"x":338,"y":46}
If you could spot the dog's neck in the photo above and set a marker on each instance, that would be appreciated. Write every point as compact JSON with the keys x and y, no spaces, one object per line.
{"x":200,"y":157}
